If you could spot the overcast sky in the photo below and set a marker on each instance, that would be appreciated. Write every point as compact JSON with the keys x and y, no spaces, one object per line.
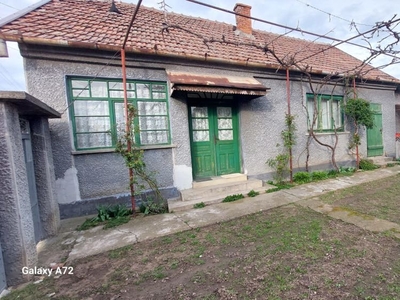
{"x":331,"y":18}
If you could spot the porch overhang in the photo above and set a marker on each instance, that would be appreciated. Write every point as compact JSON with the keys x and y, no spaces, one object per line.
{"x":210,"y":83}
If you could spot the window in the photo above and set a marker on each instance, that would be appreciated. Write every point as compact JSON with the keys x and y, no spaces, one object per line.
{"x":329,"y":113}
{"x":97,"y":112}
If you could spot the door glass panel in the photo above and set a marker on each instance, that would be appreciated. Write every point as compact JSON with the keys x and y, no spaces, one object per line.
{"x":224,"y":123}
{"x":225,"y":135}
{"x":224,"y":112}
{"x":224,"y":115}
{"x":200,"y":124}
{"x":201,"y":136}
{"x":199,"y":112}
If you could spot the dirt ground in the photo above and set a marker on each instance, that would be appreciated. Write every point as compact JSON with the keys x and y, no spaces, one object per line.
{"x":285,"y":253}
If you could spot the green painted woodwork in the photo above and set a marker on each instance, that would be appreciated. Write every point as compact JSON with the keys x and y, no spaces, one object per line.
{"x":374,"y":135}
{"x":214,"y":140}
{"x":96,"y":109}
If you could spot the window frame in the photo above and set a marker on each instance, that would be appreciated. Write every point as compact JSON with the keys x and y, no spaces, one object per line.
{"x":111,"y":102}
{"x":319,"y":123}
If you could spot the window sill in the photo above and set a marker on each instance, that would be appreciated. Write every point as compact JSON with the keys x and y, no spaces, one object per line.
{"x":111,"y":150}
{"x":329,"y":133}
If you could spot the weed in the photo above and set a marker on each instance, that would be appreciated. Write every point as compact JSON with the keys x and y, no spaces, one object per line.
{"x":367,"y":165}
{"x":302,"y":177}
{"x":199,"y":205}
{"x":253,"y":193}
{"x":232,"y":198}
{"x":390,"y":165}
{"x":110,"y":216}
{"x":346,"y":170}
{"x":319,"y":175}
{"x":150,"y":207}
{"x":273,"y":190}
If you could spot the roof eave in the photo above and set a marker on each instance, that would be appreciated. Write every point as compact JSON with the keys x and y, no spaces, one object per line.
{"x":107,"y":47}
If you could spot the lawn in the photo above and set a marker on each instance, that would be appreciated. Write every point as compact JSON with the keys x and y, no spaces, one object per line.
{"x":380,"y":198}
{"x":285,"y":253}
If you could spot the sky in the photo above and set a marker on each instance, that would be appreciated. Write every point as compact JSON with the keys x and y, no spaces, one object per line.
{"x":332,"y":18}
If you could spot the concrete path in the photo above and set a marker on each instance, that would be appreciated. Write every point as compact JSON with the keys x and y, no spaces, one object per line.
{"x":90,"y":242}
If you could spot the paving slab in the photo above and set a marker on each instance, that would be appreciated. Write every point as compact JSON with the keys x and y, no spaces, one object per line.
{"x":364,"y":221}
{"x":96,"y":240}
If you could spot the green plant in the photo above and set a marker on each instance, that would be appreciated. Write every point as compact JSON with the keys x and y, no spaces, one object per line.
{"x":109,"y":215}
{"x":332,"y":173}
{"x":389,"y":165}
{"x":280,"y":165}
{"x":345,"y":170}
{"x":133,"y":156}
{"x":253,"y":193}
{"x":199,"y":205}
{"x":232,"y":198}
{"x":319,"y":175}
{"x":359,"y":111}
{"x":302,"y":177}
{"x":281,"y":162}
{"x":367,"y":165}
{"x":151,"y":207}
{"x":280,"y":186}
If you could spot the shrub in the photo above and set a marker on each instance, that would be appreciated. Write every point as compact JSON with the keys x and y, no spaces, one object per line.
{"x":319,"y":175}
{"x":232,"y":198}
{"x":367,"y":165}
{"x":302,"y":177}
{"x":253,"y":193}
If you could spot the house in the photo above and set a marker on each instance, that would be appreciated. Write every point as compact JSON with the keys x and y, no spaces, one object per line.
{"x":211,"y":97}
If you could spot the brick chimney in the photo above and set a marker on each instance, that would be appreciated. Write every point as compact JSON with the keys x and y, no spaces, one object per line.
{"x":242,"y":23}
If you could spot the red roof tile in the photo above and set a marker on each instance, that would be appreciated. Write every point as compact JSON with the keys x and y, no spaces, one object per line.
{"x":90,"y":24}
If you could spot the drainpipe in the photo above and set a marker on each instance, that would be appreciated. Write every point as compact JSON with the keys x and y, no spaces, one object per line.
{"x":289,"y":114}
{"x":127,"y":120}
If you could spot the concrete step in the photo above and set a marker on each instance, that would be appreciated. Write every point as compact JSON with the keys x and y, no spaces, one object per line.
{"x":381,"y":160}
{"x":214,"y":194}
{"x":230,"y":178}
{"x":224,"y":188}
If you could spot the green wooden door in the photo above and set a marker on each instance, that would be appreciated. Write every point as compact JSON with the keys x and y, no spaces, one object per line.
{"x":214,"y":140}
{"x":374,"y":135}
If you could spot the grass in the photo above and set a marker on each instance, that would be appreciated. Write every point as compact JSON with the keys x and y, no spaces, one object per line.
{"x":278,"y":254}
{"x":289,"y":252}
{"x":380,"y":199}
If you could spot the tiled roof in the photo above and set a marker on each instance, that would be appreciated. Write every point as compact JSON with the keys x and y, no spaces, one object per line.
{"x":88,"y":23}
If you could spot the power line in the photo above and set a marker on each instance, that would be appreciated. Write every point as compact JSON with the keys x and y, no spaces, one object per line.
{"x":347,"y":41}
{"x":332,"y":15}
